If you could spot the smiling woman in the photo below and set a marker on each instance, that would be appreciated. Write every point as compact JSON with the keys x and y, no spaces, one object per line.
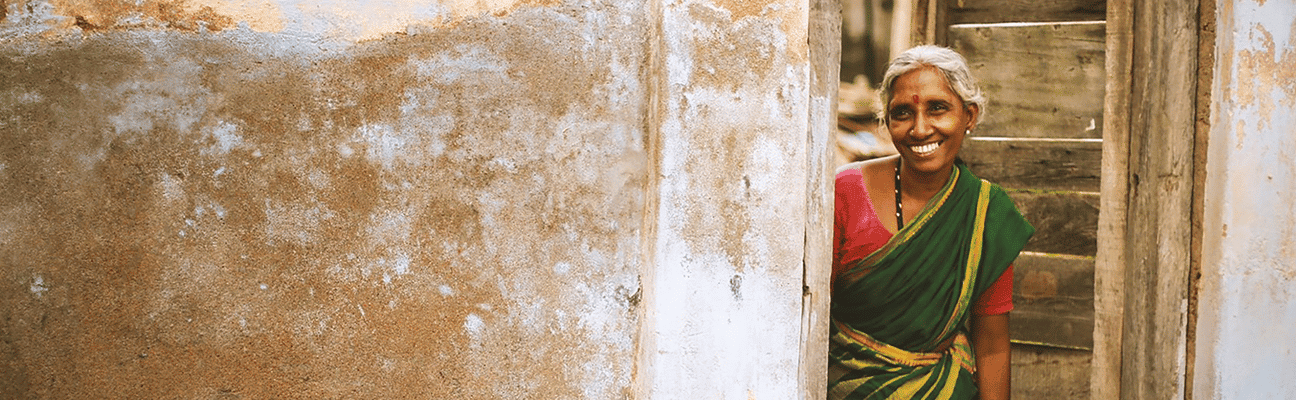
{"x":920,"y":304}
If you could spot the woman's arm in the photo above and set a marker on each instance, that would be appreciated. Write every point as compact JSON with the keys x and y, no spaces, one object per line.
{"x":993,"y":356}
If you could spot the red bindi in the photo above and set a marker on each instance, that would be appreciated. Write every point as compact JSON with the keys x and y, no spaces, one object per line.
{"x":915,"y":98}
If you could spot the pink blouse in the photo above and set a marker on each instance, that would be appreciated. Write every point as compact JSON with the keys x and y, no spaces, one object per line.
{"x":859,"y":233}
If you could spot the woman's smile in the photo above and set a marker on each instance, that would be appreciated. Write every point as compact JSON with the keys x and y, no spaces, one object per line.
{"x":928,"y":121}
{"x":926,"y":149}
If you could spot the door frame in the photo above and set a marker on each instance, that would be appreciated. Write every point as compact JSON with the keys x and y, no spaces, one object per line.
{"x":1159,"y":63}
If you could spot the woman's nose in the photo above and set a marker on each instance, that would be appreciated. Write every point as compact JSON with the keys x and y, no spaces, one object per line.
{"x":922,"y":126}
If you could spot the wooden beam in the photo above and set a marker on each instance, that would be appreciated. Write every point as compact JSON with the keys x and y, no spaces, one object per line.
{"x":940,"y":22}
{"x":929,"y":22}
{"x":1065,"y":222}
{"x":1043,"y":80}
{"x":921,"y":26}
{"x":1046,"y":372}
{"x":1035,"y":164}
{"x":1205,"y":76}
{"x":816,"y":268}
{"x":1053,"y":300}
{"x":996,"y":11}
{"x":1109,"y":269}
{"x":1162,"y":110}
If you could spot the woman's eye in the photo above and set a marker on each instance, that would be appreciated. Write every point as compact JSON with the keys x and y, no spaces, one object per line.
{"x":900,"y":114}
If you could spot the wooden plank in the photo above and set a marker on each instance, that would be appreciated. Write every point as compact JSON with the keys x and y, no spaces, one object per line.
{"x":1042,"y":80}
{"x":1204,"y":118}
{"x":1158,"y":233}
{"x":930,"y":20}
{"x":996,"y":11}
{"x":1035,"y":164}
{"x":1110,"y":261}
{"x":1041,"y":372}
{"x":1053,"y":300}
{"x":919,"y":27}
{"x":824,"y":53}
{"x":1053,"y":324}
{"x":1065,"y":222}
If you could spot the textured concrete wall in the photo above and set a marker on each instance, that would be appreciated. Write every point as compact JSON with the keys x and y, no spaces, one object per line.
{"x":734,"y":94}
{"x":1247,"y":313}
{"x":404,"y":199}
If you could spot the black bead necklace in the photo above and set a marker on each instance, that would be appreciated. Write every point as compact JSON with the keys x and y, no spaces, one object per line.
{"x":899,"y":211}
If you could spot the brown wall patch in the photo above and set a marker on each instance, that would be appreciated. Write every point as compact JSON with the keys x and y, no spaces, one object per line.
{"x":206,"y":218}
{"x":122,"y":14}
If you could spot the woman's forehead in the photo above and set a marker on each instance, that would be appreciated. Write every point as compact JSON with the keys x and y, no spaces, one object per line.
{"x":927,"y":82}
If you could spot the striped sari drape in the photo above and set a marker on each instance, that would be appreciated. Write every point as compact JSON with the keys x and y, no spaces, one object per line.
{"x":899,"y":315}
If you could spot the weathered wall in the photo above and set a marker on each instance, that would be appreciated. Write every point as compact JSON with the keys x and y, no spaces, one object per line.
{"x":727,"y":265}
{"x":1247,"y":312}
{"x":404,"y":199}
{"x":739,"y":183}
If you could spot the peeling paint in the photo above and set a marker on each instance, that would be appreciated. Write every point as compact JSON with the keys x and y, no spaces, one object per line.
{"x":1266,"y":75}
{"x":38,"y":287}
{"x":119,"y":14}
{"x":352,"y":21}
{"x":322,"y":198}
{"x":1247,"y":305}
{"x":724,"y":177}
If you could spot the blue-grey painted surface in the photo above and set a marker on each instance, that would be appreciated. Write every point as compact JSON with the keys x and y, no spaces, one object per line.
{"x":1247,"y":308}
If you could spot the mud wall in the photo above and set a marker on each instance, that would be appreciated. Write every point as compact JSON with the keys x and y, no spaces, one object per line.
{"x":1247,"y":304}
{"x":406,"y":199}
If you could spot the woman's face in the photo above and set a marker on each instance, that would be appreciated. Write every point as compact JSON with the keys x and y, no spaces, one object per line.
{"x":927,"y":120}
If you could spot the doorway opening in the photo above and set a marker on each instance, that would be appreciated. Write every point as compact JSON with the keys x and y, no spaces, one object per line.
{"x":1042,"y":67}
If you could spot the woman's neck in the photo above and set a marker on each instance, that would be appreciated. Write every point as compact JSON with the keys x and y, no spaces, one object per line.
{"x":920,"y":185}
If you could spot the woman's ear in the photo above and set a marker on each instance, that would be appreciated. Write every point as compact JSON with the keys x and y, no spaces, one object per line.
{"x":974,"y":112}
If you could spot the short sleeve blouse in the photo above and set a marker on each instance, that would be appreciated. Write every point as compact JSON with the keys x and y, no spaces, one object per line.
{"x":858,"y":233}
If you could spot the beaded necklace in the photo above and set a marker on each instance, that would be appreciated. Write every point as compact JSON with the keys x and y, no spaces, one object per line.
{"x":899,"y":211}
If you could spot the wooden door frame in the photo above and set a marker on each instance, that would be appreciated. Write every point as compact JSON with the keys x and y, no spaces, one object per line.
{"x":1159,"y":66}
{"x":1156,"y":121}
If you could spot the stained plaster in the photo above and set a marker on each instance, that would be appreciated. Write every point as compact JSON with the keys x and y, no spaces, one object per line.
{"x":494,"y":199}
{"x":452,"y":213}
{"x":731,"y":190}
{"x":1248,"y":304}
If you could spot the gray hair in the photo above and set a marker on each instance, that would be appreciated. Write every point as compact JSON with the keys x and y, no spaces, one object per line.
{"x":950,"y":63}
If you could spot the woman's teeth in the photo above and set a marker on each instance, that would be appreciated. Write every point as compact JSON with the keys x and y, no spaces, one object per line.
{"x":926,"y":148}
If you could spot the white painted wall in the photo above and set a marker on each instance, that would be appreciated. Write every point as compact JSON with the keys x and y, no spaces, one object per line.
{"x":1246,"y":333}
{"x":728,"y":271}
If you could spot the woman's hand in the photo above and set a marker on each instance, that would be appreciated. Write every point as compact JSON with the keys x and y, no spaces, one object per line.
{"x":993,"y":356}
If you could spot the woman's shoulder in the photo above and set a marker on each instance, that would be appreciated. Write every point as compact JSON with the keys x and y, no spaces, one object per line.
{"x":859,"y":169}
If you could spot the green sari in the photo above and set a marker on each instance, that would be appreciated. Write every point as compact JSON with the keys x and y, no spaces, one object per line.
{"x":899,"y":315}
